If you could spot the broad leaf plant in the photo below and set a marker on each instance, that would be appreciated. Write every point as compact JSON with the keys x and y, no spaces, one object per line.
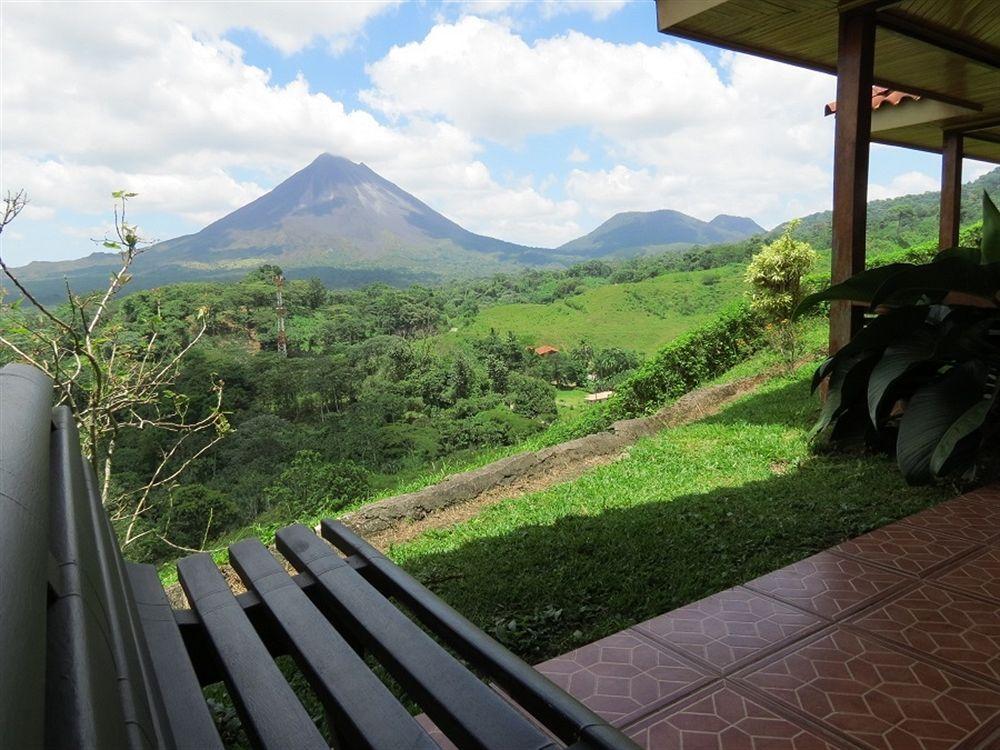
{"x":920,"y":379}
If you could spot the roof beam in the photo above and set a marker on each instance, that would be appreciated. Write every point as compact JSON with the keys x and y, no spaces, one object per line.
{"x":673,"y":12}
{"x":981,"y":123}
{"x":915,"y":113}
{"x":958,"y":44}
{"x":846,"y":6}
{"x":818,"y":67}
{"x":987,"y":137}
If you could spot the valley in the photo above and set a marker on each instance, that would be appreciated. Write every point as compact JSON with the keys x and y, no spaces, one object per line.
{"x":398,"y":375}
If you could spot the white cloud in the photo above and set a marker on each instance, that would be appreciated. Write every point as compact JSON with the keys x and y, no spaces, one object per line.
{"x":903,"y":184}
{"x":972,"y":169}
{"x":578,"y":156}
{"x":124,"y":27}
{"x":31,"y":212}
{"x":750,"y":139}
{"x":289,"y":25}
{"x":486,"y":79}
{"x":197,"y":195}
{"x":178,"y":116}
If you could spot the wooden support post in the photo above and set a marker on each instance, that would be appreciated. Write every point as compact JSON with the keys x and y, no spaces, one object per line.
{"x":951,"y":189}
{"x":855,"y":61}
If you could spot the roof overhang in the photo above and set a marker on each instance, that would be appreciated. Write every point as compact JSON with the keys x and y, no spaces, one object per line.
{"x":945,"y":51}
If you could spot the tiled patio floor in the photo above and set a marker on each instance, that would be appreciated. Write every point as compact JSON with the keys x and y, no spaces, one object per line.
{"x":890,"y":640}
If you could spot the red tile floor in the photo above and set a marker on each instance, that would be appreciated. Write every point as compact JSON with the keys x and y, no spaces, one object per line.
{"x":890,"y":640}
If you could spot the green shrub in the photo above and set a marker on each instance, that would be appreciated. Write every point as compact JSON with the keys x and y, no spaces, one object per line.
{"x":310,"y":485}
{"x":775,"y":277}
{"x":198,"y":514}
{"x":494,"y":427}
{"x":611,"y":362}
{"x":531,"y":397}
{"x":594,"y":418}
{"x":689,"y":360}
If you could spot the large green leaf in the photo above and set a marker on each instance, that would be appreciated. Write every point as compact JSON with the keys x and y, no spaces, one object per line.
{"x":822,"y":371}
{"x":859,"y":288}
{"x":931,"y":413}
{"x":878,"y":333}
{"x":953,"y":448}
{"x":847,"y":386}
{"x":934,"y":280}
{"x":971,"y":254}
{"x":991,"y":231}
{"x":915,"y":350}
{"x":971,"y":333}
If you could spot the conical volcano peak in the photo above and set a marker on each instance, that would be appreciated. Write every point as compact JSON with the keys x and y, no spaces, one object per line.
{"x":326,"y":160}
{"x":336,"y":211}
{"x":332,"y":168}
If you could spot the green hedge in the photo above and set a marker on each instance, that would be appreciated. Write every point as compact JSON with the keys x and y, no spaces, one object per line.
{"x":690,"y":360}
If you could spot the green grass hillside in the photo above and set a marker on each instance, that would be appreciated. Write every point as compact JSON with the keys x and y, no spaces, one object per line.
{"x":641,"y":316}
{"x":689,"y":512}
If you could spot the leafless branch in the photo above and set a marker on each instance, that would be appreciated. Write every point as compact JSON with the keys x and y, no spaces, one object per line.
{"x":110,"y":383}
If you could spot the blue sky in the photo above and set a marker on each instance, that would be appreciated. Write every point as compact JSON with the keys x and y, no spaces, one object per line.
{"x":533,"y":122}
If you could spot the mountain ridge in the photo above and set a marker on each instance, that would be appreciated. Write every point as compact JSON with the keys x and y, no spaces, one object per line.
{"x":637,"y":232}
{"x":343,"y":222}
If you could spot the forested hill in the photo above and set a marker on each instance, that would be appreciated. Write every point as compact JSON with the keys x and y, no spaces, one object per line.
{"x":901,"y":222}
{"x":644,"y":232}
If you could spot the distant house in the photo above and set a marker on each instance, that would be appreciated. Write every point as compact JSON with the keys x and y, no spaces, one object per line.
{"x":545,"y":350}
{"x":599,"y":396}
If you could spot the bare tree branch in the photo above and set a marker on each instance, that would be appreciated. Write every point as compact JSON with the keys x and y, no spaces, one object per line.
{"x":110,"y":382}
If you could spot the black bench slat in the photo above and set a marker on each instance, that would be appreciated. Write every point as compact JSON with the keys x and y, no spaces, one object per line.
{"x":25,"y":430}
{"x":562,"y":713}
{"x":187,"y":712}
{"x":84,"y":703}
{"x":137,"y":694}
{"x":271,"y":714}
{"x":469,"y":712}
{"x":365,"y":714}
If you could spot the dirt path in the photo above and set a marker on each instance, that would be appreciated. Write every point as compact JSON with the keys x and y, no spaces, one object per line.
{"x":698,"y":404}
{"x":464,"y":511}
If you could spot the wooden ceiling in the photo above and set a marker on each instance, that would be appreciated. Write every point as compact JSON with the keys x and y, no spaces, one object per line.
{"x":944,"y":50}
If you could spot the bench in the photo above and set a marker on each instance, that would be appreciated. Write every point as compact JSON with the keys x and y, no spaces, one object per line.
{"x":94,"y":655}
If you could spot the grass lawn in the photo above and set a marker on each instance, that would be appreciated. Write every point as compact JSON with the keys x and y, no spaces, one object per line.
{"x":642,"y":316}
{"x":571,"y":402}
{"x":689,"y":512}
